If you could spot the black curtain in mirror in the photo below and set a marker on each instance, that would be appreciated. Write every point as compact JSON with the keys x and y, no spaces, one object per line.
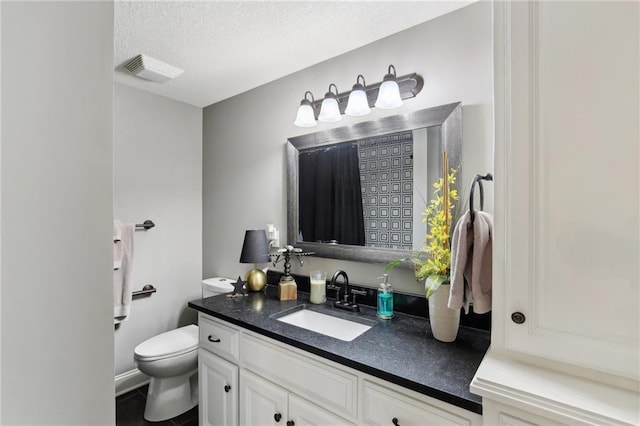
{"x":330,"y":197}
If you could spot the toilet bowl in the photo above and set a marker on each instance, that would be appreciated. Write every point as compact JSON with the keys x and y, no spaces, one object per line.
{"x":171,"y":360}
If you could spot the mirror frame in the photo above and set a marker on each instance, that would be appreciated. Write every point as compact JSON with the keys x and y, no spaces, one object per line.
{"x":448,"y":116}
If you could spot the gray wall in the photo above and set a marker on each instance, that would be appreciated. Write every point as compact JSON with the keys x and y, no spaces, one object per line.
{"x":158,"y":176}
{"x":57,"y":286}
{"x":244,"y":137}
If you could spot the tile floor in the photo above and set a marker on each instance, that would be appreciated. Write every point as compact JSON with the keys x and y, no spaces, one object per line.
{"x":130,"y":411}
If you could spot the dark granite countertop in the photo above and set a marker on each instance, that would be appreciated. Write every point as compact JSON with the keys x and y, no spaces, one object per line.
{"x":402,"y":350}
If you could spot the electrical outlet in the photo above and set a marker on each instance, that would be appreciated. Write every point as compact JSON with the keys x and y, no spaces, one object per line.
{"x":273,"y":235}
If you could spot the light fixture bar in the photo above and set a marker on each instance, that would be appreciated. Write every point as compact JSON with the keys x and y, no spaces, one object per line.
{"x":410,"y":85}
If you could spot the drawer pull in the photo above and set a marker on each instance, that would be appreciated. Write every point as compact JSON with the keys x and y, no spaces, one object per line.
{"x":290,"y":423}
{"x":395,"y":421}
{"x":277,"y":417}
{"x":518,"y":317}
{"x":227,"y":388}
{"x":211,"y":339}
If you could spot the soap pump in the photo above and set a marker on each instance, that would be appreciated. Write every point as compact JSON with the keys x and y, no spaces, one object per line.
{"x":385,"y":298}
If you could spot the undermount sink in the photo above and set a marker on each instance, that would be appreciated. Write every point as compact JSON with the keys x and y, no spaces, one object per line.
{"x":338,"y":328}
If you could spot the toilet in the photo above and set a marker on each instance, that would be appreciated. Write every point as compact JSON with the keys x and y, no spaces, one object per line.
{"x":171,"y":360}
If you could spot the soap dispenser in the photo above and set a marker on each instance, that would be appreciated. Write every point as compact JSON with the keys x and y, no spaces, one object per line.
{"x":385,"y":298}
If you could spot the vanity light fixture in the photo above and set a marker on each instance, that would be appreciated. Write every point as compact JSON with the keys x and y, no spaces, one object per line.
{"x":330,"y":111}
{"x":386,"y":94}
{"x":389,"y":93}
{"x":358,"y":104}
{"x":306,"y":116}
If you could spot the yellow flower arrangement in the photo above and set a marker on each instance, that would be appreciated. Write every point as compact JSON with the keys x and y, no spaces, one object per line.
{"x":433,"y":261}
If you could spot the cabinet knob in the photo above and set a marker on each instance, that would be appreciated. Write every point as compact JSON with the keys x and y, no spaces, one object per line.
{"x":395,"y":421}
{"x":227,"y":388}
{"x":290,"y":423}
{"x":518,"y":317}
{"x":211,"y":339}
{"x":277,"y":417}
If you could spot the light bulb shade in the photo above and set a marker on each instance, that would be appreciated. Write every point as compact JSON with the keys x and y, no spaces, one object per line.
{"x":255,"y":248}
{"x":388,"y":95}
{"x":305,"y":116}
{"x":329,"y":111}
{"x":358,"y":103}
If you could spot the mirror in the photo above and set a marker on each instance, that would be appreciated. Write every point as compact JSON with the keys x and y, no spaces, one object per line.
{"x":387,"y":169}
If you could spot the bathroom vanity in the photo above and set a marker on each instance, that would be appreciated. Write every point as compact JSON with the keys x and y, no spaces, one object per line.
{"x":255,"y":369}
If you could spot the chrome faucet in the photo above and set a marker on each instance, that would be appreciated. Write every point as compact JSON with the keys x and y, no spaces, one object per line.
{"x":344,"y":303}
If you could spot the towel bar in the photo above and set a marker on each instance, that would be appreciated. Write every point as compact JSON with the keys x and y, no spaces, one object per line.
{"x":146,"y":225}
{"x":478,"y":179}
{"x":147,"y":290}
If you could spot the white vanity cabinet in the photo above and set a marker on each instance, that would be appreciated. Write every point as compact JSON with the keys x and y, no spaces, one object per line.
{"x":217,"y":374}
{"x":278,"y":384}
{"x":264,"y":403}
{"x":383,"y":406}
{"x":218,"y":386}
{"x":566,"y":331}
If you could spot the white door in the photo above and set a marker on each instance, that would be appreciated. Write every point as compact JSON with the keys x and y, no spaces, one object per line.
{"x":566,"y":242}
{"x":218,"y":390}
{"x":304,"y":413}
{"x":263,"y":403}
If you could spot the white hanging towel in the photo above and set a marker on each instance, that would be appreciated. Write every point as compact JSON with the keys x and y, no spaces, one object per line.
{"x":123,"y":258}
{"x":471,"y":256}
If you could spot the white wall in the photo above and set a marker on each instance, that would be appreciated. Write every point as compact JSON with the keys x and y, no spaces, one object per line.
{"x":158,"y":176}
{"x":244,"y":137}
{"x":57,"y":103}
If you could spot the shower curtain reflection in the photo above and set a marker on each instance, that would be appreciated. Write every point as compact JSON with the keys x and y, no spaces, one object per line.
{"x":330,"y":196}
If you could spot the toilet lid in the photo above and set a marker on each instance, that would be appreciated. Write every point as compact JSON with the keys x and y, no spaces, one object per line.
{"x":170,"y":343}
{"x":218,"y":285}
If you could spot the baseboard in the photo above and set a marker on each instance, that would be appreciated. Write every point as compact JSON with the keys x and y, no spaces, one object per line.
{"x":130,"y":380}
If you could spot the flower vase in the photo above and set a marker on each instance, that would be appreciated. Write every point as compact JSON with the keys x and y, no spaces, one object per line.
{"x":444,"y":321}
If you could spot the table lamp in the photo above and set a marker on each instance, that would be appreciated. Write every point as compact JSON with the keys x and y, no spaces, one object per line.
{"x":255,"y":249}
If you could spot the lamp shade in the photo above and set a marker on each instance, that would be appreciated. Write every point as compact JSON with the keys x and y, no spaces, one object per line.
{"x":358,"y":103}
{"x":389,"y":95}
{"x":305,"y":116}
{"x":330,"y":110}
{"x":255,"y":248}
{"x":389,"y":92}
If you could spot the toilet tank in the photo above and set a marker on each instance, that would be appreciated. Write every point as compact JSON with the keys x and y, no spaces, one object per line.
{"x":216,"y":285}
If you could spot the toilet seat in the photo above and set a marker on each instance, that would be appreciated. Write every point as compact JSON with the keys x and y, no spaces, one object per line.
{"x":168,"y":344}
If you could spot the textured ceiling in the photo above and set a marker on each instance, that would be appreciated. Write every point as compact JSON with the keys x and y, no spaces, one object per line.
{"x":229,"y":47}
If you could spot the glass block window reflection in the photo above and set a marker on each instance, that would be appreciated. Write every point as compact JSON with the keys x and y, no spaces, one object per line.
{"x":386,"y":175}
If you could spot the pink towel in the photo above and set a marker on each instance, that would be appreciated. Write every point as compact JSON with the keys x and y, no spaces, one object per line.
{"x":471,"y":256}
{"x":123,"y":258}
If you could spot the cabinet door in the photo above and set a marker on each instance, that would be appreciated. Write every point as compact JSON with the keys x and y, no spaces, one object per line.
{"x":567,"y":183}
{"x":218,"y":390}
{"x":385,"y":407}
{"x":304,"y":413}
{"x":263,"y":403}
{"x":499,"y":414}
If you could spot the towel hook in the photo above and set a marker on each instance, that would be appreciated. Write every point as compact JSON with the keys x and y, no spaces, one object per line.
{"x":478,"y":179}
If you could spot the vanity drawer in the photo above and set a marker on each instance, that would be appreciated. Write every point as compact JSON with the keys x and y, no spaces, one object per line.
{"x":381,"y":405}
{"x":326,"y":386}
{"x":218,"y":338}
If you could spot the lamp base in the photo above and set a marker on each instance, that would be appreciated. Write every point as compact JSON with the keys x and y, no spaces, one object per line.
{"x":255,"y":279}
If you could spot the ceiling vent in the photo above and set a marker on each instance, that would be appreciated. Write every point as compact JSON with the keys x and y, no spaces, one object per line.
{"x":152,"y":69}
